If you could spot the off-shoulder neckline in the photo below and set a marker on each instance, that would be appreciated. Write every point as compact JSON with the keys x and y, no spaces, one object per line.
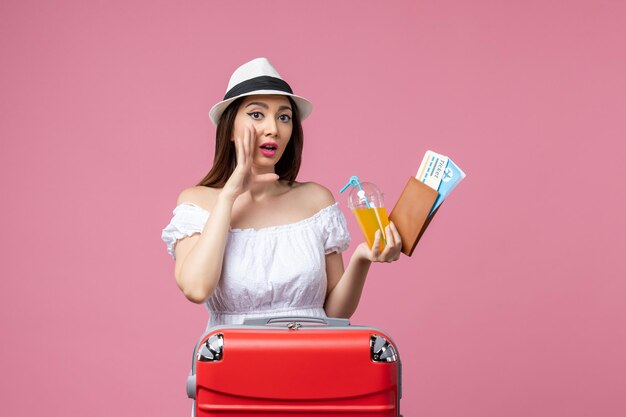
{"x":279,"y":227}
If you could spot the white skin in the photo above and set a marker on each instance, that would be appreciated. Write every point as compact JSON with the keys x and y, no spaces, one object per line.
{"x":253,"y":197}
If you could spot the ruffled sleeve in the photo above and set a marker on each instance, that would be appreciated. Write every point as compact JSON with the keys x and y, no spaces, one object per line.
{"x":187,"y":219}
{"x":336,"y":235}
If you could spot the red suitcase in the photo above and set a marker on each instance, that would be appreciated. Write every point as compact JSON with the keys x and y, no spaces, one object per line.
{"x":295,"y":366}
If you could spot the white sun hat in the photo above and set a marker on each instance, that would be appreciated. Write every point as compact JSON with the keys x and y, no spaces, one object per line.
{"x":257,"y":77}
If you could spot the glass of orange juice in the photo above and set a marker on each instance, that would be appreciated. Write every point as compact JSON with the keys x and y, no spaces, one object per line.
{"x":366,"y":202}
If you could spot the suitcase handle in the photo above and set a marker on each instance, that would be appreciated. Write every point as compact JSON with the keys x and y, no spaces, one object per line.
{"x":302,"y":321}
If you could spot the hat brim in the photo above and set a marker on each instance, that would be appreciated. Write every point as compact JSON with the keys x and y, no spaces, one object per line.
{"x":304,"y":106}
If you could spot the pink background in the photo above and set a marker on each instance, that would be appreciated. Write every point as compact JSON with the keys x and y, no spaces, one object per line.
{"x":514,"y":303}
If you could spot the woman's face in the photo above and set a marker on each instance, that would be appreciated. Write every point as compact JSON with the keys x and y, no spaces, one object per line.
{"x":270,"y":116}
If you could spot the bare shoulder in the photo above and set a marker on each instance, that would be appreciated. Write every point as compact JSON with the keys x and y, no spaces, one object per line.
{"x":316,"y":194}
{"x":199,"y":195}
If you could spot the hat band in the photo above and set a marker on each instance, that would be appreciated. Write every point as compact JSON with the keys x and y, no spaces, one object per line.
{"x":264,"y":82}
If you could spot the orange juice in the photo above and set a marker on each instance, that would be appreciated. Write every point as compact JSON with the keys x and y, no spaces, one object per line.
{"x":371,"y":220}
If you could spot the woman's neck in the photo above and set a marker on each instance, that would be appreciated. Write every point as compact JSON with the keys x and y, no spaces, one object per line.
{"x":261,"y":191}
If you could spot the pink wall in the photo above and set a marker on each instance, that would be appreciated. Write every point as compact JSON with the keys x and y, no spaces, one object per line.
{"x":513,"y":304}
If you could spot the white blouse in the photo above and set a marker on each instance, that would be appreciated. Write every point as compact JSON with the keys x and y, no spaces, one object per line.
{"x":273,"y":271}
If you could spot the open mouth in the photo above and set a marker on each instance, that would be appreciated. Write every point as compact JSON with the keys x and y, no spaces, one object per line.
{"x":268,"y":148}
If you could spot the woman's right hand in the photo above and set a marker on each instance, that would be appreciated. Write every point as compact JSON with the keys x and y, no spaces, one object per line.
{"x":242,"y":177}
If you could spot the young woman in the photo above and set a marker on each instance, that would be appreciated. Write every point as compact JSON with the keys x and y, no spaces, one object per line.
{"x":251,"y":241}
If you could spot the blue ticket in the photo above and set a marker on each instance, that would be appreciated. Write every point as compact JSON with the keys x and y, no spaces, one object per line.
{"x":440,"y":173}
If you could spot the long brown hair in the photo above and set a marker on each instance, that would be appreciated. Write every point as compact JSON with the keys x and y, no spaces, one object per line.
{"x":225,"y":159}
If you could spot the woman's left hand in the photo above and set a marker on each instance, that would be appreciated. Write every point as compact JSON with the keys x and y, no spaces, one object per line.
{"x":392,"y":249}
